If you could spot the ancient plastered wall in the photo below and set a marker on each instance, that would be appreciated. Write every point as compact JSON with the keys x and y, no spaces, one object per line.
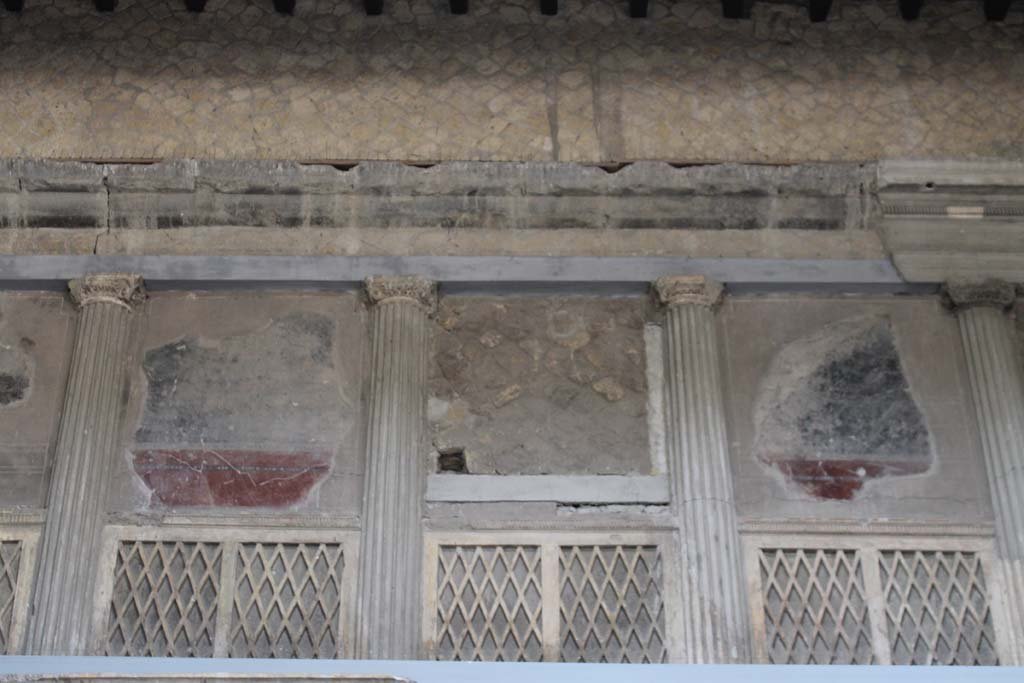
{"x":850,"y":409}
{"x":504,"y":82}
{"x":243,"y":447}
{"x":35,"y":334}
{"x":246,"y":401}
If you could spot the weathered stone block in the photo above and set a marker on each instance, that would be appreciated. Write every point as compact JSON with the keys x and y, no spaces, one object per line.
{"x":39,"y":175}
{"x":9,"y":180}
{"x":165,"y":176}
{"x":62,"y":209}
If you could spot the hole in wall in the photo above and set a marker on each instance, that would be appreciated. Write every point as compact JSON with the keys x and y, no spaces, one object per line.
{"x":452,"y":461}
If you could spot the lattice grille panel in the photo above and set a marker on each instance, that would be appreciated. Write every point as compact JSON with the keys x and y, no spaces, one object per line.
{"x":164,"y":600}
{"x":10,"y":565}
{"x":489,"y":603}
{"x":287,"y":601}
{"x":815,"y":607}
{"x":937,"y":608}
{"x":611,"y":605}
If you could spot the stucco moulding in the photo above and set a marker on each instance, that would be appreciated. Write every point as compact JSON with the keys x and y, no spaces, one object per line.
{"x":946,"y":220}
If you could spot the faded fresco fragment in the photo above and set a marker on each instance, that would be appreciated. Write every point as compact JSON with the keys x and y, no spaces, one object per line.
{"x":241,"y":421}
{"x":835,"y":410}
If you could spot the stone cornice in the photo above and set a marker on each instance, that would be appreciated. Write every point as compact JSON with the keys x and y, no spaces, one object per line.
{"x":959,"y":295}
{"x":675,"y":290}
{"x":381,"y":290}
{"x":122,"y":289}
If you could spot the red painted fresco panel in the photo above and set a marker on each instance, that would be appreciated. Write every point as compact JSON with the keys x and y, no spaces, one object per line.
{"x":229,"y":478}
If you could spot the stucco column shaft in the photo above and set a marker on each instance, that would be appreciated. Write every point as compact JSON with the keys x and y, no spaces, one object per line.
{"x":716,"y":622}
{"x":997,"y":385}
{"x":83,"y":459}
{"x":388,"y":617}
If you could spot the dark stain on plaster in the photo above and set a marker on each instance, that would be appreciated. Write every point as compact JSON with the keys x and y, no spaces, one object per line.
{"x":12,"y":388}
{"x":244,"y":421}
{"x":837,"y":410}
{"x":16,"y":364}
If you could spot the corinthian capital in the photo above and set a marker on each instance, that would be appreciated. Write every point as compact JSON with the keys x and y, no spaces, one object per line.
{"x":688,"y":289}
{"x":412,"y":288}
{"x":963,"y":294}
{"x":122,"y":289}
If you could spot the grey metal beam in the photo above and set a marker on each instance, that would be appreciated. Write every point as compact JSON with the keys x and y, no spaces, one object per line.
{"x":456,"y":273}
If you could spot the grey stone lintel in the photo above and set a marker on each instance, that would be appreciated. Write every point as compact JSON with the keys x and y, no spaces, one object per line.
{"x":570,"y":489}
{"x":460,"y":274}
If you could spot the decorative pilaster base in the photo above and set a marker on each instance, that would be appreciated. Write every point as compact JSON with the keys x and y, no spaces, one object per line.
{"x":390,"y":573}
{"x":86,"y":444}
{"x":997,"y":384}
{"x":716,"y":622}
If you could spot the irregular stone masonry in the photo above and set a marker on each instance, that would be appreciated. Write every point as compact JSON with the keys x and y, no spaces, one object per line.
{"x":507,"y":83}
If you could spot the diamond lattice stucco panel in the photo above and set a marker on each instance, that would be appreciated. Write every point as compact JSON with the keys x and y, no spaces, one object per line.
{"x":164,"y":601}
{"x":10,"y":566}
{"x":937,"y":608}
{"x":489,"y":603}
{"x":505,"y":82}
{"x":815,"y":607}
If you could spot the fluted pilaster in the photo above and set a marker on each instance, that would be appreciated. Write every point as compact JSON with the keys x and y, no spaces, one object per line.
{"x":83,"y":459}
{"x":388,"y":617}
{"x":997,"y":385}
{"x":716,"y":622}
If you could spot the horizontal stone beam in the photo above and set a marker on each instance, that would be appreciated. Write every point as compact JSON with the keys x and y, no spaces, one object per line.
{"x":548,"y":195}
{"x":456,"y":273}
{"x":570,"y":489}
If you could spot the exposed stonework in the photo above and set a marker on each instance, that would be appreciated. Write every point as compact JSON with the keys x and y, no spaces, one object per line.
{"x":505,"y":82}
{"x":835,"y":410}
{"x":541,"y":385}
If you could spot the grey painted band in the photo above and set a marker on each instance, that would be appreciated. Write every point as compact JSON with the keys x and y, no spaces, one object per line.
{"x":465,"y":272}
{"x":482,"y":488}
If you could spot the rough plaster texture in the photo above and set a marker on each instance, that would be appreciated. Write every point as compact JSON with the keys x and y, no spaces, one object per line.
{"x":505,"y":82}
{"x":250,"y":401}
{"x":35,"y":335}
{"x":835,"y":409}
{"x":952,"y":488}
{"x":541,"y":385}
